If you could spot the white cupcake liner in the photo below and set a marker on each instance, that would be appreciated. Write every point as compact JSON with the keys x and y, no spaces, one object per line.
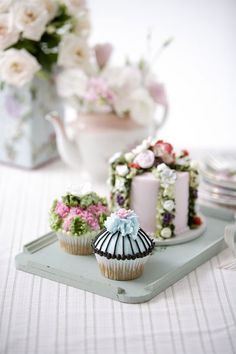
{"x":127,"y":269}
{"x":78,"y":245}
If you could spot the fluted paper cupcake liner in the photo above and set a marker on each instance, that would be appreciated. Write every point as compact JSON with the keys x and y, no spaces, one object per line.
{"x":77,"y":245}
{"x":127,"y":269}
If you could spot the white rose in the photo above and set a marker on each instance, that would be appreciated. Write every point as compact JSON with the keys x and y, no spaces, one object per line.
{"x":83,"y":24}
{"x":74,"y":6}
{"x":169,"y":205}
{"x":166,"y":232}
{"x":114,"y":157}
{"x":17,"y":67}
{"x":51,"y":7}
{"x":122,"y":170}
{"x":8,"y":34}
{"x":73,"y":52}
{"x":72,"y":82}
{"x":182,"y":161}
{"x":5,"y":5}
{"x":30,"y":18}
{"x":129,"y":156}
{"x":142,"y":106}
{"x":168,"y":176}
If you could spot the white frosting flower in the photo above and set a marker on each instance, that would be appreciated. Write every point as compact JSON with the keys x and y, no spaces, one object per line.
{"x":114,"y":157}
{"x":129,"y":156}
{"x":72,"y":82}
{"x":166,"y":232}
{"x":169,"y":205}
{"x":5,"y":5}
{"x":142,"y":107}
{"x":122,"y":170}
{"x":162,"y":167}
{"x":17,"y":67}
{"x":145,"y":159}
{"x":120,"y":184}
{"x":73,"y":52}
{"x":183,"y":161}
{"x":30,"y":18}
{"x":168,"y":176}
{"x":8,"y":34}
{"x":194,"y":164}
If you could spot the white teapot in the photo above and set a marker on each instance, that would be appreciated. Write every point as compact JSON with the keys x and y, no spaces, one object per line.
{"x":97,"y":136}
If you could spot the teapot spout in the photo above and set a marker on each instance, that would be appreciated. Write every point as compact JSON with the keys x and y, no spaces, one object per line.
{"x":67,"y":149}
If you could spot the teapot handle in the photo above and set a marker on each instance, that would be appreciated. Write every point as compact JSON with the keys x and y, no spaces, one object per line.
{"x":158,"y":124}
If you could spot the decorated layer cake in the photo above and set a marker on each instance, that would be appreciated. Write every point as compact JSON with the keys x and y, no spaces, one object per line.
{"x":159,"y":185}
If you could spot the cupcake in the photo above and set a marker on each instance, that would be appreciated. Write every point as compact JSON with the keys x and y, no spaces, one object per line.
{"x":122,"y":248}
{"x":76,"y":219}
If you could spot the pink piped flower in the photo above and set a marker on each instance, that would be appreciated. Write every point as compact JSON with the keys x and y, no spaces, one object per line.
{"x":123,"y":213}
{"x":165,"y":151}
{"x":98,"y":209}
{"x":67,"y":222}
{"x":61,"y":209}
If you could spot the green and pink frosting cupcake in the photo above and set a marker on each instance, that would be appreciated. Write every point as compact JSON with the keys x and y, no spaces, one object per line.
{"x":76,"y":219}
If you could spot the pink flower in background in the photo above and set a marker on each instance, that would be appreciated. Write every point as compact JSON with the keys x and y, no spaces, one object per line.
{"x":158,"y":93}
{"x":103,"y":53}
{"x":98,"y":89}
{"x":62,"y":210}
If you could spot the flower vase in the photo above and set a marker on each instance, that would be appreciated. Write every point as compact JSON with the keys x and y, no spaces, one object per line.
{"x":26,"y":138}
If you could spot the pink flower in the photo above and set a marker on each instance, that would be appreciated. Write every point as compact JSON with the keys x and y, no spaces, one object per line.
{"x":164,"y":151}
{"x":145,"y":159}
{"x":67,"y":222}
{"x":123,"y":213}
{"x":158,"y":93}
{"x":90,"y":219}
{"x":103,"y":53}
{"x":76,"y":211}
{"x":98,"y":209}
{"x":62,"y":210}
{"x":98,"y":89}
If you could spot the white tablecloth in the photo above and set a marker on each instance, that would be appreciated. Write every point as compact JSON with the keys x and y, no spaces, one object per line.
{"x":196,"y":315}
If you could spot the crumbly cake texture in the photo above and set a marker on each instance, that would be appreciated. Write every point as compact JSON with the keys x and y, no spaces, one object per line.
{"x":158,"y":158}
{"x":122,"y":248}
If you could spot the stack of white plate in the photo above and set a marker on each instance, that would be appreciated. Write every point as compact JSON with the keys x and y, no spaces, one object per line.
{"x":218,"y":180}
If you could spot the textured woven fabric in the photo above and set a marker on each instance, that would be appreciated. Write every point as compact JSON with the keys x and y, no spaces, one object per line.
{"x":196,"y":315}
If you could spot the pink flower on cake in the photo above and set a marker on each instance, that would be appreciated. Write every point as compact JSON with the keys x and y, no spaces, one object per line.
{"x":62,"y":210}
{"x":97,"y":209}
{"x":123,"y":213}
{"x":164,"y":151}
{"x":90,"y":219}
{"x":145,"y":159}
{"x":185,"y":152}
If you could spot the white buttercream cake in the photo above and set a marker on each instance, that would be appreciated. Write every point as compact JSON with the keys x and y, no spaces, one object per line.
{"x":160,"y":186}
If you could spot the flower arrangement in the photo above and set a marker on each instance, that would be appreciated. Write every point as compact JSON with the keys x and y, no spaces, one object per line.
{"x":131,"y":90}
{"x":159,"y":158}
{"x":78,"y":214}
{"x":38,"y":36}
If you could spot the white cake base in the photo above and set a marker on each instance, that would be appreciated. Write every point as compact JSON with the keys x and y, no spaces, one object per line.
{"x":182,"y":238}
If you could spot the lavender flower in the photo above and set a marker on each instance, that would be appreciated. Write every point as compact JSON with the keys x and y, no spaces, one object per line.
{"x":120,"y":200}
{"x":167,"y":217}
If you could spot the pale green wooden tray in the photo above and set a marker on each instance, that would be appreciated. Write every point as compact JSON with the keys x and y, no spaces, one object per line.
{"x":44,"y":257}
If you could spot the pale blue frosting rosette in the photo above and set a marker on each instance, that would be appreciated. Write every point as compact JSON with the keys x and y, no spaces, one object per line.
{"x":123,"y":221}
